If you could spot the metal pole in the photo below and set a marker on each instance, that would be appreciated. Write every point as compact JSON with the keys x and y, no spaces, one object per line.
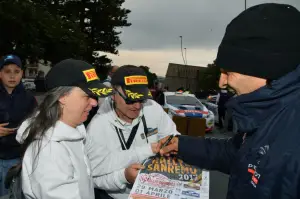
{"x":182,"y":49}
{"x":185,"y":57}
{"x":245,"y":4}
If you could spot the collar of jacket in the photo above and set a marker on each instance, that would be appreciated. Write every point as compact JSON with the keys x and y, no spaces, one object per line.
{"x":251,"y":110}
{"x":19,"y":88}
{"x":59,"y":132}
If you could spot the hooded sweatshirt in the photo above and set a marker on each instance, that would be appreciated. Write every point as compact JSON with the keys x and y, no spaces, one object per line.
{"x":108,"y":159}
{"x":14,"y":109}
{"x":61,"y":168}
{"x":263,"y":161}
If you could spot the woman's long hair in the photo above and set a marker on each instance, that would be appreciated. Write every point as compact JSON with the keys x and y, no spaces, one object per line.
{"x":45,"y":117}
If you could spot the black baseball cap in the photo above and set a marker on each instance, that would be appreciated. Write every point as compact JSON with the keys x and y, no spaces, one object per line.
{"x":71,"y":72}
{"x":133,"y":81}
{"x":10,"y":59}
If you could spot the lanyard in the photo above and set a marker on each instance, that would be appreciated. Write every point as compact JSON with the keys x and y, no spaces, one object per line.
{"x":126,"y":145}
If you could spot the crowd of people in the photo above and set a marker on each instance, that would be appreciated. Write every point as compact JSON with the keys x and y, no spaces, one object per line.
{"x":58,"y":157}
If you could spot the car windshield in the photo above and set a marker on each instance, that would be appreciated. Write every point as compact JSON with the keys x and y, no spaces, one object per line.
{"x":183,"y":100}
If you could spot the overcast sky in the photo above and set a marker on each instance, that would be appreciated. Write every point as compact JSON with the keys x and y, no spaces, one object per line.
{"x":153,"y":38}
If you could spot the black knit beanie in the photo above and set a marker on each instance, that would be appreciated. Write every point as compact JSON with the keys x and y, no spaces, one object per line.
{"x":263,"y":41}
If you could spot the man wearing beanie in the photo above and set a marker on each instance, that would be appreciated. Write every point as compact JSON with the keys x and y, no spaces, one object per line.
{"x":259,"y":58}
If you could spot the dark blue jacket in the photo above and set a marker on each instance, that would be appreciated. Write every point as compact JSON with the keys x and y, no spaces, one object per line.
{"x":264,"y":160}
{"x":14,"y":108}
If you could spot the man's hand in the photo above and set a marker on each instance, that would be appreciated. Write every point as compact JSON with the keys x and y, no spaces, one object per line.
{"x":6,"y":131}
{"x":132,"y":171}
{"x":171,"y":148}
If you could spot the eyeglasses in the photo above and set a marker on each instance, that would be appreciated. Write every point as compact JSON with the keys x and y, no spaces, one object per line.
{"x":128,"y":101}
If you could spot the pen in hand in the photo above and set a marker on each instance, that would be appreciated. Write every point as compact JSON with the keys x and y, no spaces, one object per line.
{"x":166,"y":143}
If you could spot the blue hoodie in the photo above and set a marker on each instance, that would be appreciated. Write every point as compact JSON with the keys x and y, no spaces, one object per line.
{"x":14,"y":108}
{"x":264,"y":160}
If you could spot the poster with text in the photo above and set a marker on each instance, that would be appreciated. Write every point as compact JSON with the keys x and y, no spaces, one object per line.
{"x":170,"y":178}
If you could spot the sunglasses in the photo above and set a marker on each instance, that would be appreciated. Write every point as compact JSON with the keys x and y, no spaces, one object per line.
{"x":128,"y":101}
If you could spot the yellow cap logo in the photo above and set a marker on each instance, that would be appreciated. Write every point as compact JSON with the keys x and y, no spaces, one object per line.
{"x":101,"y":91}
{"x":133,"y":80}
{"x":133,"y":95}
{"x":90,"y":75}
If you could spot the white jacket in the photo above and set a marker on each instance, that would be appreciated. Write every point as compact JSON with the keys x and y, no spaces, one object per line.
{"x":62,"y":169}
{"x":108,"y":160}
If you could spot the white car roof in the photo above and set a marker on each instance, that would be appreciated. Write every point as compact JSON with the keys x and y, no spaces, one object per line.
{"x":178,"y":94}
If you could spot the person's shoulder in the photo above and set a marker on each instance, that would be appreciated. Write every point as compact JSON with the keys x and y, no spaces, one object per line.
{"x":23,"y":95}
{"x":22,"y":91}
{"x":29,"y":98}
{"x":100,"y":119}
{"x":49,"y":156}
{"x":46,"y":149}
{"x":152,"y":107}
{"x":99,"y":116}
{"x":152,"y":103}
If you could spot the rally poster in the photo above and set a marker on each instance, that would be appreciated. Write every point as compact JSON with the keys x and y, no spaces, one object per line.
{"x":170,"y":178}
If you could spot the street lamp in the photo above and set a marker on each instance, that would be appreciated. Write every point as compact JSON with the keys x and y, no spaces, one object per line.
{"x":182,"y":49}
{"x":185,"y":56}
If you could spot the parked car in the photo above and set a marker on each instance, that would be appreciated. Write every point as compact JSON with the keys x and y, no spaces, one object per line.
{"x":28,"y":84}
{"x":187,"y":105}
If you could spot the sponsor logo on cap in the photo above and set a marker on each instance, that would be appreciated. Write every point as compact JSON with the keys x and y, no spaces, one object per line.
{"x":90,"y":75}
{"x":136,"y":80}
{"x":133,"y":95}
{"x":101,"y":91}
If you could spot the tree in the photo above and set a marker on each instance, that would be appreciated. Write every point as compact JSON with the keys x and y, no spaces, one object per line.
{"x":102,"y":65}
{"x":100,"y":21}
{"x":152,"y":77}
{"x":57,"y":29}
{"x":209,"y":79}
{"x":34,"y":33}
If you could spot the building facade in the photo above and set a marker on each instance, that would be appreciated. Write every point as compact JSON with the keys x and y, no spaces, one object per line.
{"x":185,"y":76}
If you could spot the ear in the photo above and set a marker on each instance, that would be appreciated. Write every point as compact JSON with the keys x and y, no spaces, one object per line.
{"x":63,"y":100}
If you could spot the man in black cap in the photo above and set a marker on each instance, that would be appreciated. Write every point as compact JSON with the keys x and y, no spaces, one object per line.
{"x":259,"y":58}
{"x":125,"y":132}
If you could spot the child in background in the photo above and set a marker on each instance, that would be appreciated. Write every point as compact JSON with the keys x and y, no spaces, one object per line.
{"x":15,"y":106}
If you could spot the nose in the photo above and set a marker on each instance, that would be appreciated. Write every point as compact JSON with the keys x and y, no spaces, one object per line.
{"x":223,"y":80}
{"x":93,"y":102}
{"x":137,"y":105}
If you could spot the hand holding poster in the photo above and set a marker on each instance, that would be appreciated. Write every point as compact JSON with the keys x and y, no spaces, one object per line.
{"x":169,"y":177}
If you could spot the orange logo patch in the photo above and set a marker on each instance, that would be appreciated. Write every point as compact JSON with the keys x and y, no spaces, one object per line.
{"x":90,"y":75}
{"x":132,"y":80}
